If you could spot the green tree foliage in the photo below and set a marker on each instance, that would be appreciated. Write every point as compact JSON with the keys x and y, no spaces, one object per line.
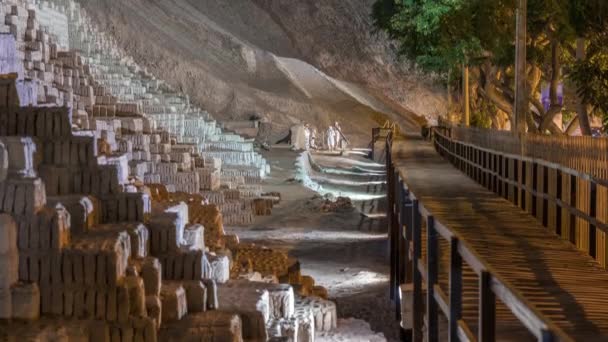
{"x":591,"y":78}
{"x":441,"y":35}
{"x":590,"y":75}
{"x":435,"y":34}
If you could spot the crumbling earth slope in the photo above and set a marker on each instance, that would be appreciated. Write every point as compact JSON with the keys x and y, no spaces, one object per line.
{"x":285,"y":60}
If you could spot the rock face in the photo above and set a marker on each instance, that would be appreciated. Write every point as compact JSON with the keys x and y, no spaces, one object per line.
{"x":281,"y":60}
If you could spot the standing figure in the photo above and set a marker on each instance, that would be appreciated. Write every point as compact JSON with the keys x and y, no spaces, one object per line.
{"x":340,"y":138}
{"x":313,"y":138}
{"x":307,"y":137}
{"x":331,"y":139}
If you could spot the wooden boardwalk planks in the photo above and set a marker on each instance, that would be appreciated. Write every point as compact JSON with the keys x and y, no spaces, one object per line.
{"x":564,"y":284}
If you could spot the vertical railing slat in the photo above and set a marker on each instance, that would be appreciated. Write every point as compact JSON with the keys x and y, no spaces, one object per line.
{"x":455,"y":289}
{"x":487,"y":309}
{"x":417,"y":332}
{"x":431,"y":280}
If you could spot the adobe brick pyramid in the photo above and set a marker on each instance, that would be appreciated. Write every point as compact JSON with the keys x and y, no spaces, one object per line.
{"x":114,"y":190}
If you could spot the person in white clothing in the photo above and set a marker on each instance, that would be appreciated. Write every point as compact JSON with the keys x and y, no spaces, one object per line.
{"x":313,"y":138}
{"x":307,"y":136}
{"x":339,"y":137}
{"x":331,"y":138}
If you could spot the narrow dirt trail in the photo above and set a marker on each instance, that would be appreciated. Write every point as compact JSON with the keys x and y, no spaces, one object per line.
{"x":344,"y":251}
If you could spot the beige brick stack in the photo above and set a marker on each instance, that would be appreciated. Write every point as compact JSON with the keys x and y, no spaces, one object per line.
{"x":102,"y":273}
{"x":91,"y":247}
{"x":48,"y":270}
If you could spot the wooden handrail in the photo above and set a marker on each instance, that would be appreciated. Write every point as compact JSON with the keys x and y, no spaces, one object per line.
{"x":467,"y":156}
{"x":524,"y":311}
{"x":582,"y":153}
{"x":409,"y":212}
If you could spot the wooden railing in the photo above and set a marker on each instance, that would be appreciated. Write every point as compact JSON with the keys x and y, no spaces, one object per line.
{"x":584,"y":154}
{"x":570,"y":202}
{"x":378,"y":144}
{"x":407,"y":217}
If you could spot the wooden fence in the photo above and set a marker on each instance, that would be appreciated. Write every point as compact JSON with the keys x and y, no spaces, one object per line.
{"x":551,"y":185}
{"x":411,"y":228}
{"x":585,"y":154}
{"x":378,"y":144}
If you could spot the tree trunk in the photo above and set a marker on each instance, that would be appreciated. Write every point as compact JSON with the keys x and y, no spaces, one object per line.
{"x":467,"y":97}
{"x":521,"y":107}
{"x":581,"y":106}
{"x":449,"y":92}
{"x":555,"y":107}
{"x":573,"y":125}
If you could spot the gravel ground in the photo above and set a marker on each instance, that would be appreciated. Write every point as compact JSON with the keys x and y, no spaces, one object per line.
{"x":343,"y":251}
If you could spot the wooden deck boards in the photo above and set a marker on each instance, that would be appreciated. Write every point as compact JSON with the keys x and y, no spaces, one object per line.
{"x":563,"y":283}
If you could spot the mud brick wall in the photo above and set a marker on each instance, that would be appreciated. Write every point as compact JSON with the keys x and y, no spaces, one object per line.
{"x":138,"y":234}
{"x":40,"y":122}
{"x":214,"y":197}
{"x":22,"y":196}
{"x":69,"y":151}
{"x":209,"y":178}
{"x":211,"y":218}
{"x":180,"y":265}
{"x":232,"y":182}
{"x":96,"y":180}
{"x":124,"y":207}
{"x":242,"y":218}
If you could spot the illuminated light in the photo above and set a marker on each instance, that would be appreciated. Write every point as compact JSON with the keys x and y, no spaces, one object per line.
{"x":359,"y":153}
{"x":355,"y":170}
{"x":304,"y":169}
{"x":353,"y":161}
{"x":315,"y":235}
{"x":362,"y":279}
{"x":335,"y":181}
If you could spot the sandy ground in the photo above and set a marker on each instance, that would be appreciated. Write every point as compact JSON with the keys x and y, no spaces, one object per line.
{"x":345,"y":251}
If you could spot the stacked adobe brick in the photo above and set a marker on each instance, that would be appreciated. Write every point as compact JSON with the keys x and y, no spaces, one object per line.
{"x":121,"y":279}
{"x":90,"y":245}
{"x":109,"y":95}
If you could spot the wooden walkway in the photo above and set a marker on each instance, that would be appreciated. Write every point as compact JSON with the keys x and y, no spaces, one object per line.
{"x":565,"y":285}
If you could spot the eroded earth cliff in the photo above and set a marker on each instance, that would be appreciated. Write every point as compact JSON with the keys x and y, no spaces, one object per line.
{"x":285,"y":60}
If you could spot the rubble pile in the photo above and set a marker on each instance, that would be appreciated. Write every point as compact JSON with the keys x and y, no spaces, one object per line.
{"x":114,"y":192}
{"x":329,"y":203}
{"x":341,"y":204}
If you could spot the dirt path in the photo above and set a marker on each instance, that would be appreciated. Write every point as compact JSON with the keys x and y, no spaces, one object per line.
{"x":344,"y":251}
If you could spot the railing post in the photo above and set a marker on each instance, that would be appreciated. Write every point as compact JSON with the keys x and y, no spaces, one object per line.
{"x":398,"y":244}
{"x":394,"y":239}
{"x":431,"y":280}
{"x":390,"y":189}
{"x":455,"y":289}
{"x":408,"y":220}
{"x":417,"y":277}
{"x":546,"y":336}
{"x":405,"y":275}
{"x":391,"y":214}
{"x":487,"y":309}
